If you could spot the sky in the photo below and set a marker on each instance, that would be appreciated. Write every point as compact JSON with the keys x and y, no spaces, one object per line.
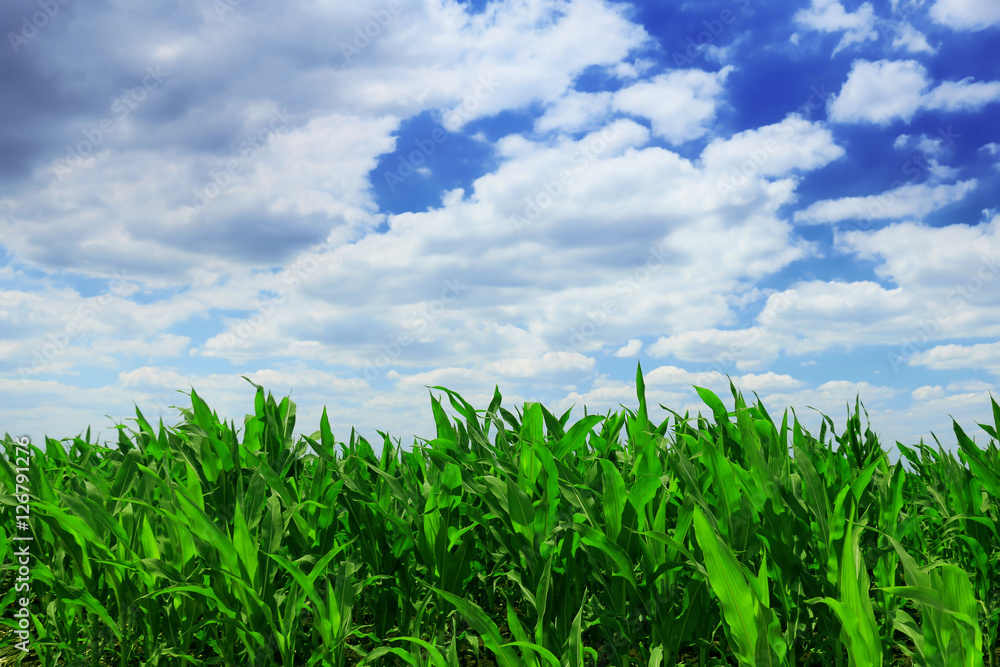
{"x":349,"y":203}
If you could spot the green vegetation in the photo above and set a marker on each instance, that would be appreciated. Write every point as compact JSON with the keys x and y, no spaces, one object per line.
{"x":611,"y":541}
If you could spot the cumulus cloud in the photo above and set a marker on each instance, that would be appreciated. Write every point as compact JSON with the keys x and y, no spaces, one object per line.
{"x":912,"y":40}
{"x":589,"y":240}
{"x":832,"y":398}
{"x":927,"y":392}
{"x":265,"y":174}
{"x":950,"y":357}
{"x":831,"y":16}
{"x":147,"y":376}
{"x":679,"y":104}
{"x":932,"y":146}
{"x":911,"y":200}
{"x":630,"y":349}
{"x":751,"y":348}
{"x":966,"y":14}
{"x":992,"y":149}
{"x":879,"y":92}
{"x":774,"y":150}
{"x":883,"y":91}
{"x":934,"y":262}
{"x":510,"y":221}
{"x":824,"y":315}
{"x":550,"y":363}
{"x":575,"y":111}
{"x":941,"y":287}
{"x":746,"y":383}
{"x":962,"y":95}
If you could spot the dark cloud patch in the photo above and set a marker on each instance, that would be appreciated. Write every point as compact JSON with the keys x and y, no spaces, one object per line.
{"x":255,"y":238}
{"x":32,"y":112}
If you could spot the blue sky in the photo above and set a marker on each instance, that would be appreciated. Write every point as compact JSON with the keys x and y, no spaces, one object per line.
{"x":350,"y":202}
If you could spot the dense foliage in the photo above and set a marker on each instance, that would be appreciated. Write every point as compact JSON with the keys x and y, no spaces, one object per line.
{"x":611,"y":541}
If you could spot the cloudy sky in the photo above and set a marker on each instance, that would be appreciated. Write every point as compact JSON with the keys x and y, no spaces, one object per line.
{"x":350,"y":202}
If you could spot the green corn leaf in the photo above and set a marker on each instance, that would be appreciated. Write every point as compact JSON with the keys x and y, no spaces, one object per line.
{"x":245,"y":546}
{"x":614,"y":499}
{"x":618,"y":556}
{"x":727,"y":579}
{"x":482,"y":624}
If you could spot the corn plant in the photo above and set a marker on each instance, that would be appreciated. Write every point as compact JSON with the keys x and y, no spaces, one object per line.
{"x":512,"y":535}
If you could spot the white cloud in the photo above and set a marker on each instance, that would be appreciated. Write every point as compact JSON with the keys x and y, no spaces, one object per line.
{"x":830,"y":16}
{"x":943,"y":287}
{"x":674,"y":375}
{"x":992,"y":148}
{"x":934,"y":262}
{"x":540,"y":308}
{"x":970,"y":385}
{"x":912,"y":40}
{"x":773,"y":150}
{"x":879,"y":92}
{"x":533,"y":50}
{"x":632,"y":70}
{"x":751,"y":348}
{"x":886,"y":90}
{"x":911,"y":200}
{"x":161,"y":345}
{"x":309,"y":181}
{"x":717,"y":382}
{"x":831,"y":314}
{"x":962,"y":95}
{"x":966,"y":14}
{"x":926,"y":392}
{"x":537,"y":300}
{"x":950,"y":357}
{"x":147,"y":376}
{"x":832,"y":399}
{"x":575,"y":112}
{"x":630,"y":349}
{"x":769,"y":381}
{"x":718,"y":54}
{"x":680,"y":104}
{"x":550,"y":363}
{"x":932,"y":146}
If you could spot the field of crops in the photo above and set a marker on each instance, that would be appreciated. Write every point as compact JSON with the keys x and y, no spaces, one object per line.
{"x":507,"y":540}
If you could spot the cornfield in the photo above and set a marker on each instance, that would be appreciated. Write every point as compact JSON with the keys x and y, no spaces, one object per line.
{"x":507,"y":540}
